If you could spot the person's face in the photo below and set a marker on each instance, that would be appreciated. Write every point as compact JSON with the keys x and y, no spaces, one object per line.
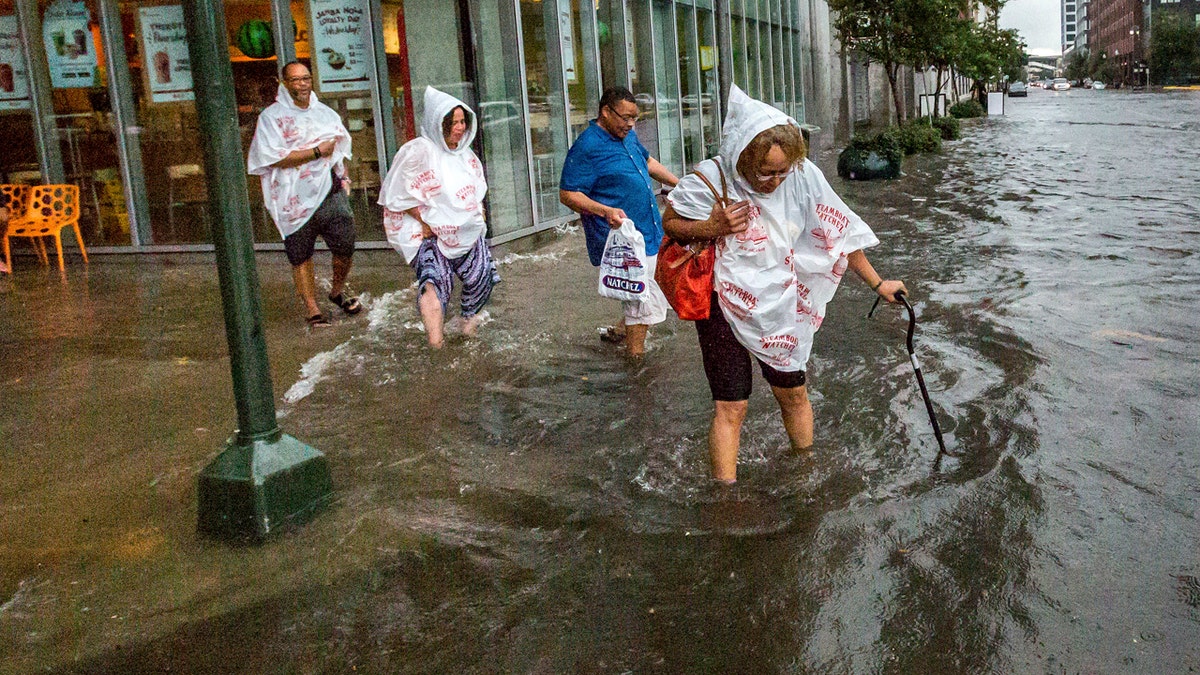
{"x":771,"y":172}
{"x":618,"y":119}
{"x":298,"y":82}
{"x":458,"y":127}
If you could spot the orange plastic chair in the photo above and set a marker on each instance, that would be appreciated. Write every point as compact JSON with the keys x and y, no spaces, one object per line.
{"x":15,"y":197}
{"x":51,"y":208}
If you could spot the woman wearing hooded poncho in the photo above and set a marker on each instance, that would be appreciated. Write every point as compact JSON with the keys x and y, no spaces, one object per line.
{"x":433,"y":214}
{"x":783,"y":242}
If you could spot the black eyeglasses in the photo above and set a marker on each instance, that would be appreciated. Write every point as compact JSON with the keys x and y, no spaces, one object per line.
{"x":302,"y":78}
{"x":628,"y":119}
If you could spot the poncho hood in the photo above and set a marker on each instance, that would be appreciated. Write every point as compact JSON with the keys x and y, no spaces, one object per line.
{"x":745,"y":119}
{"x":438,"y":104}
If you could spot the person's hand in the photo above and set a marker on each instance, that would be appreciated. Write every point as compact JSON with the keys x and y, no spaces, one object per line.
{"x":887,"y":289}
{"x":614,"y":216}
{"x":730,"y":219}
{"x":326,"y":148}
{"x":426,"y":232}
{"x":346,"y":184}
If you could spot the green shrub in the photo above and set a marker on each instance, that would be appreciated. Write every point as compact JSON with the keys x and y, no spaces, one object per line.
{"x":948,"y":126}
{"x":967,"y":108}
{"x":915,"y":137}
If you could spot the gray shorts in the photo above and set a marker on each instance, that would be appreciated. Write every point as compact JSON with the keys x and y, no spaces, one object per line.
{"x":333,"y":221}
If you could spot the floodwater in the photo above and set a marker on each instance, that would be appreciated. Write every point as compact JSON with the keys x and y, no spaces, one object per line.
{"x":530,"y":501}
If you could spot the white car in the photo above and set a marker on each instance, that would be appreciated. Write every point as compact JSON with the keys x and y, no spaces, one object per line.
{"x":1061,"y":84}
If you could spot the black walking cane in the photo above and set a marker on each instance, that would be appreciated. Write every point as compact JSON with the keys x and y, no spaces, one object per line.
{"x":912,"y":326}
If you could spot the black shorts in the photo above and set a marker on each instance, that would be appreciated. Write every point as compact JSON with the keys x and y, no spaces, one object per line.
{"x":727,"y":362}
{"x":333,"y":221}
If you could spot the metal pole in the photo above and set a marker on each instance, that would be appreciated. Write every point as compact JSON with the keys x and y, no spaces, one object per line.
{"x":264,"y":478}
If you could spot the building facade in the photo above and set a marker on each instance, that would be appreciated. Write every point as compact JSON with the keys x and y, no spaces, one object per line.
{"x":98,"y":93}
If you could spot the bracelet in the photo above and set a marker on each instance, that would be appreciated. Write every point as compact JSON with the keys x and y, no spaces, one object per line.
{"x":876,"y":286}
{"x":317,"y":152}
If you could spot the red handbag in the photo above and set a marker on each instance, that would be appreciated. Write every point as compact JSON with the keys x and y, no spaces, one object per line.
{"x":685,"y":271}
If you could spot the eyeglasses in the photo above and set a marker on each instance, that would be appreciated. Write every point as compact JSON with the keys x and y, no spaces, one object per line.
{"x":778,"y":175}
{"x":302,"y":78}
{"x":628,"y":119}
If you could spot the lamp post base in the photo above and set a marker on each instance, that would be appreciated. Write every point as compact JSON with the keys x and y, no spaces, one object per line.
{"x":253,"y":489}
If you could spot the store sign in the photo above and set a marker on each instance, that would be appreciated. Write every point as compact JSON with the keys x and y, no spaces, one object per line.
{"x":340,"y":35}
{"x":165,"y":53}
{"x":14,"y":83}
{"x":70,"y":51}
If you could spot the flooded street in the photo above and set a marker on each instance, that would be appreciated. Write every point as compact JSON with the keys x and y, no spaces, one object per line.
{"x":531,"y":502}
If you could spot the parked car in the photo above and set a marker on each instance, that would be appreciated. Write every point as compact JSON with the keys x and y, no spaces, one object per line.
{"x":1099,"y":85}
{"x":1061,"y":84}
{"x":1018,"y":89}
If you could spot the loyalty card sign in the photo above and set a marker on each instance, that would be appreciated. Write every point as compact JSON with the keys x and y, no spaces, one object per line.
{"x":14,"y":83}
{"x":339,"y":44}
{"x":70,"y":52}
{"x":165,"y":53}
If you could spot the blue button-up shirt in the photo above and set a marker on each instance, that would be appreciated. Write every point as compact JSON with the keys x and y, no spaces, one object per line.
{"x":614,"y":172}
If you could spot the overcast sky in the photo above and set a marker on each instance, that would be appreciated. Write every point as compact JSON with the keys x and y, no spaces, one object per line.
{"x":1038,"y":22}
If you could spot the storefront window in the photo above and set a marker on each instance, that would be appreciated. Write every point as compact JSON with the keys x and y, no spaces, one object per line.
{"x":19,"y":161}
{"x":670,"y":142}
{"x":579,"y":59}
{"x":610,"y":34}
{"x":172,"y":160}
{"x":255,"y":85}
{"x":547,"y":117}
{"x":754,"y":54}
{"x":501,"y":118}
{"x":689,"y":78}
{"x":741,"y":73}
{"x":332,"y":37}
{"x":641,"y":72}
{"x":709,"y":87}
{"x":83,"y":119}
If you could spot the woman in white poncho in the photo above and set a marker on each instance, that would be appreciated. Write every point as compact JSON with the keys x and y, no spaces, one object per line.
{"x":433,"y":214}
{"x":783,"y":241}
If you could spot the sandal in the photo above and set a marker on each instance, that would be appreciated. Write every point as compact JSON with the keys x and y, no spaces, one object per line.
{"x":318,"y":321}
{"x":350,"y":306}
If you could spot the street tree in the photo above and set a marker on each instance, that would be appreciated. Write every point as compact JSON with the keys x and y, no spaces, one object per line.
{"x":1077,"y":66}
{"x":1174,"y":48}
{"x":991,"y":55}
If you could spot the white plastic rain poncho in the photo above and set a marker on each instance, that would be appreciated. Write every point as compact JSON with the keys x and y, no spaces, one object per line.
{"x":446,"y":186}
{"x":774,"y":278}
{"x":292,"y":195}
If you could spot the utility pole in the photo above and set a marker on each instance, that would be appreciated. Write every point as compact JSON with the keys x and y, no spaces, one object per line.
{"x":264,"y":479}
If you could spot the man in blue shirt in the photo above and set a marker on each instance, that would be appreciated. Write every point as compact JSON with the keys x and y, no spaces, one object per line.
{"x":609,"y":176}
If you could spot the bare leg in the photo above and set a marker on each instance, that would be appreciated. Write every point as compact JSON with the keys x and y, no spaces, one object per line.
{"x":431,"y":316}
{"x":635,"y":338}
{"x":341,"y":271}
{"x":471,"y":325}
{"x":724,"y":437}
{"x":306,"y":287}
{"x":797,"y":414}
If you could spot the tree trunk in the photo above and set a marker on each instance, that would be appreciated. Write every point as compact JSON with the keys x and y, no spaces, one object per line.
{"x":892,"y":70}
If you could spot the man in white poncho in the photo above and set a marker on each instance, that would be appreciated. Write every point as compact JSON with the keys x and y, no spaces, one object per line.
{"x":432,"y":202}
{"x":783,"y":242}
{"x":300,"y":149}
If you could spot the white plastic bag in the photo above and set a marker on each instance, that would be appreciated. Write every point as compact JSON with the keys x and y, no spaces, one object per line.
{"x":623,"y":266}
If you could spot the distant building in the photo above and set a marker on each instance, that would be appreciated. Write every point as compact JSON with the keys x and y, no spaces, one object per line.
{"x":1070,"y":23}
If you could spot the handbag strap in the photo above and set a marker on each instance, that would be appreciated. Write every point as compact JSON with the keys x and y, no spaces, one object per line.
{"x":722,"y":197}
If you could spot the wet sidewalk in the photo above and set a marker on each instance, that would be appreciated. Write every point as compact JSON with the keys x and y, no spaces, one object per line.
{"x":115,"y":392}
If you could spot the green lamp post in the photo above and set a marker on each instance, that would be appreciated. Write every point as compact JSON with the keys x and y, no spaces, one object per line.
{"x":264,"y":479}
